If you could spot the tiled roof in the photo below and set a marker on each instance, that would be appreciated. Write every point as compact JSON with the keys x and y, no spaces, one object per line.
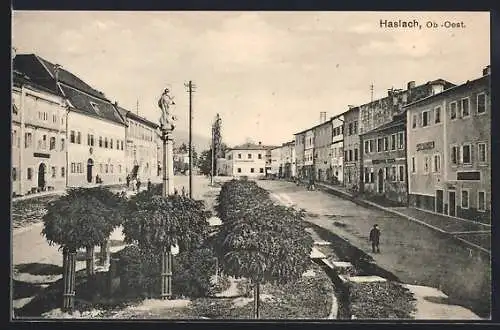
{"x":82,"y":102}
{"x":399,"y":120}
{"x":251,"y":146}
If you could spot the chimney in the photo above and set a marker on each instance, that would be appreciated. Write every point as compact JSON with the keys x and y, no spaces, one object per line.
{"x":411,"y":85}
{"x":350,"y":106}
{"x":487,"y":70}
{"x":322,"y":117}
{"x":56,"y":72}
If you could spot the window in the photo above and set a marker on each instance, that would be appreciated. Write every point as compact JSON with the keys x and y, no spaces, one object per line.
{"x":372,"y":175}
{"x":372,"y":145}
{"x":465,"y":107}
{"x":29,"y":173}
{"x":393,"y":173}
{"x":106,"y":166}
{"x":239,"y":170}
{"x":252,"y":170}
{"x":121,"y":142}
{"x":401,"y":173}
{"x":54,"y":118}
{"x":481,"y":201}
{"x":386,"y":143}
{"x":72,"y":137}
{"x":73,"y":168}
{"x":355,"y":127}
{"x":393,"y":142}
{"x":111,"y":143}
{"x":105,"y":142}
{"x":350,"y":129}
{"x":88,"y":139}
{"x":437,"y":163}
{"x":425,"y":118}
{"x":455,"y":155}
{"x":414,"y":121}
{"x":119,"y":168}
{"x":413,"y":167}
{"x":453,"y":110}
{"x":426,"y":164}
{"x":239,"y":156}
{"x":53,"y":171}
{"x":249,"y":156}
{"x":481,"y":103}
{"x":63,"y":172}
{"x":355,"y":154}
{"x":437,"y":115}
{"x":466,"y":154}
{"x":44,"y":141}
{"x":28,"y":140}
{"x":14,"y":138}
{"x":386,"y":173}
{"x":465,"y":198}
{"x":401,"y":140}
{"x":367,"y":147}
{"x":350,"y":156}
{"x":261,"y":170}
{"x":14,"y":174}
{"x":111,"y":168}
{"x":100,"y":141}
{"x":95,"y":107}
{"x":79,"y":138}
{"x":260,"y":156}
{"x":62,"y":144}
{"x":52,"y":143}
{"x":367,"y":175}
{"x":481,"y":152}
{"x":379,"y":144}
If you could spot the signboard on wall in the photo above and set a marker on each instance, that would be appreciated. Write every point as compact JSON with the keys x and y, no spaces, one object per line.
{"x":383,"y":161}
{"x":425,"y":146}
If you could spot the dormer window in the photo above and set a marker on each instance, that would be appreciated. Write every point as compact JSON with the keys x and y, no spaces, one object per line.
{"x":95,"y":107}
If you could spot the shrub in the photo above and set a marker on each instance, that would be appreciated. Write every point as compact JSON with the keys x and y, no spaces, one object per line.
{"x":192,"y":271}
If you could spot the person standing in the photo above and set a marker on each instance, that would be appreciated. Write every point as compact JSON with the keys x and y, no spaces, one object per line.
{"x":149,"y":184}
{"x":375,"y":238}
{"x":128,"y":180}
{"x":138,"y":184}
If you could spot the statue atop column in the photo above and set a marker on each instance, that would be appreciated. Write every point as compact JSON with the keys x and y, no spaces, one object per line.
{"x":165,"y":102}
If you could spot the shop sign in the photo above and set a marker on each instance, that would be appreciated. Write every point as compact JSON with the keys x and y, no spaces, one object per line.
{"x":425,"y":146}
{"x":383,"y":161}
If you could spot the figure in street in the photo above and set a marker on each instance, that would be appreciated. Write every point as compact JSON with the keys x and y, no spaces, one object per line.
{"x":128,"y":180}
{"x":149,"y":184}
{"x":183,"y":191}
{"x":138,"y":184}
{"x":375,"y":238}
{"x":176,"y":192}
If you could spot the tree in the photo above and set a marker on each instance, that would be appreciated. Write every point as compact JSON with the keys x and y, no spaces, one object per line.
{"x":83,"y":218}
{"x":157,"y":223}
{"x":259,"y":240}
{"x":205,"y":162}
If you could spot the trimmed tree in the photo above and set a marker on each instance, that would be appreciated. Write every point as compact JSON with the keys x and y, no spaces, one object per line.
{"x":157,"y":223}
{"x":82,"y":218}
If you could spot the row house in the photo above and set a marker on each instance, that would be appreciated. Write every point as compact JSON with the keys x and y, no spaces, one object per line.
{"x":300,"y":143}
{"x":384,"y":161}
{"x":95,"y":130}
{"x":337,"y":150}
{"x":449,"y":141}
{"x":248,"y":160}
{"x":322,"y":140}
{"x":351,"y":161}
{"x":141,"y":146}
{"x":288,"y":160}
{"x":276,"y":166}
{"x":39,"y":143}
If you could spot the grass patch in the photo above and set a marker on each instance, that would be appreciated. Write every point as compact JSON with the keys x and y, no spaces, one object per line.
{"x":382,"y":300}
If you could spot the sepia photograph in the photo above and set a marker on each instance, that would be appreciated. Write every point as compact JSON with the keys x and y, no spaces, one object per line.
{"x":250,"y":165}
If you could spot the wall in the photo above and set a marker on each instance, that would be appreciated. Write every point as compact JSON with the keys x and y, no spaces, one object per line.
{"x":299,"y":153}
{"x":275,"y":160}
{"x":103,"y":158}
{"x":351,"y":142}
{"x":246,"y":164}
{"x":40,"y":142}
{"x":141,"y":150}
{"x":322,"y":142}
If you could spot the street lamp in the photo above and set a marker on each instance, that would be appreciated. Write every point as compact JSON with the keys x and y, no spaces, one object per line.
{"x":167,"y":126}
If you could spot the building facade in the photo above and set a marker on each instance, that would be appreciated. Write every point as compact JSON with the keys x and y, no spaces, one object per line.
{"x":276,"y":165}
{"x":288,"y":160}
{"x":300,"y":143}
{"x":308,"y":168}
{"x":322,"y":139}
{"x":246,"y":160}
{"x":140,"y":147}
{"x":449,"y":141}
{"x":384,"y":161}
{"x":337,"y":150}
{"x":38,"y":141}
{"x":351,"y":149}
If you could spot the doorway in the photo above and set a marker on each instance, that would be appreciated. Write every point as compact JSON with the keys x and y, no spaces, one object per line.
{"x":41,"y":176}
{"x":380,"y":179}
{"x":452,"y":202}
{"x":439,"y":201}
{"x":90,"y":165}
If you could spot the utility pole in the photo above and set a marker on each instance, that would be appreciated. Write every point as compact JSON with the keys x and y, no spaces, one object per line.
{"x":371,"y":93}
{"x":190,"y":89}
{"x":137,"y":107}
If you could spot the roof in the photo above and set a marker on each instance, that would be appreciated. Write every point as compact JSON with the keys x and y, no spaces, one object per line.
{"x":449,"y":90}
{"x":129,"y":114}
{"x":19,"y":79}
{"x":251,"y":146}
{"x":82,"y":102}
{"x":318,"y":125}
{"x":398,"y":121}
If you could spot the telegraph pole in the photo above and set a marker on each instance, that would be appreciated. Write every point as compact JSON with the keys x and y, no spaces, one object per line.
{"x":190,"y":89}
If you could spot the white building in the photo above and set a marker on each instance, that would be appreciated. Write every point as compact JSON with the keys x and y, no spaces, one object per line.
{"x":337,"y":148}
{"x":288,"y":160}
{"x":246,"y":160}
{"x":276,"y":165}
{"x":38,"y":138}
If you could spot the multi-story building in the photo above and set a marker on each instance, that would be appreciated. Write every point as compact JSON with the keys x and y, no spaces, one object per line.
{"x":95,"y":129}
{"x":288,"y":160}
{"x":449,"y":158}
{"x":300,"y":143}
{"x":276,"y":166}
{"x":308,"y":168}
{"x":384,"y":161}
{"x":140,"y":146}
{"x":39,"y":144}
{"x":337,"y":150}
{"x":351,"y":161}
{"x":247,"y":160}
{"x":322,"y":140}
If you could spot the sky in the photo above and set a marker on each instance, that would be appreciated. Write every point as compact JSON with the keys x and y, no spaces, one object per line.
{"x":268,"y":74}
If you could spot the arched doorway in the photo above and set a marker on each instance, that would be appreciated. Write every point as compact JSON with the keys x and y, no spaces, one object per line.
{"x":380,"y":181}
{"x":41,"y":176}
{"x":90,"y":165}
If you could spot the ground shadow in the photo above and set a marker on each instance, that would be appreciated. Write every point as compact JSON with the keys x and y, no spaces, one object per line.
{"x":21,"y":289}
{"x":36,"y":268}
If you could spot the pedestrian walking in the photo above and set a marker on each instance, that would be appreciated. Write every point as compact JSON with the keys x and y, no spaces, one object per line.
{"x":176,"y":192}
{"x":128,"y":180}
{"x":375,"y":238}
{"x":138,"y":184}
{"x":149,"y":184}
{"x":183,"y":191}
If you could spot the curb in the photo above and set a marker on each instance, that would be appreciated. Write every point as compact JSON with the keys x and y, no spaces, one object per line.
{"x":383,"y":208}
